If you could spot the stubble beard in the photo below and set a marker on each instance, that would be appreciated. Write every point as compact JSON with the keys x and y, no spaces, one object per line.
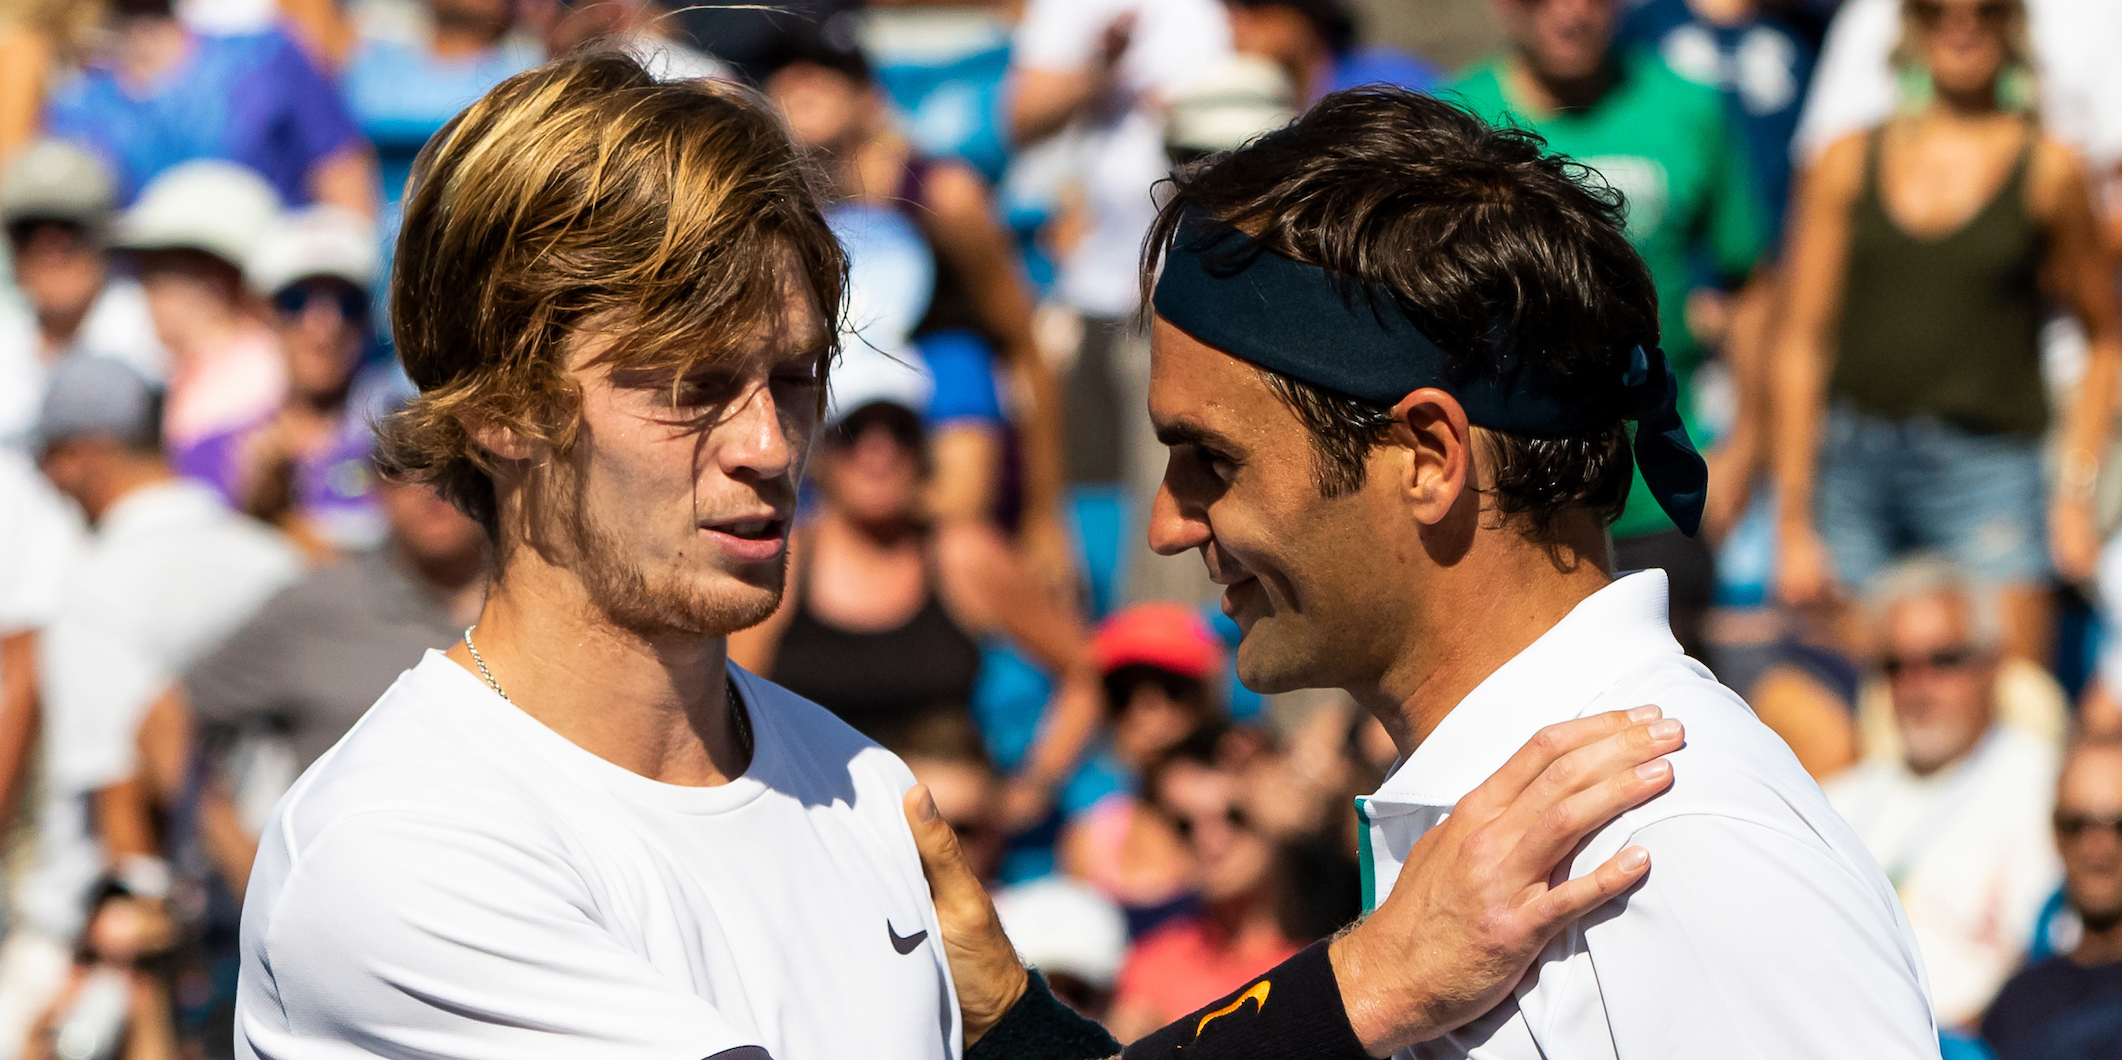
{"x":629,"y":598}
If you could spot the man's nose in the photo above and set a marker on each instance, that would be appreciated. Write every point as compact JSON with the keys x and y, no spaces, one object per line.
{"x":753,"y":439}
{"x":1175,"y":528}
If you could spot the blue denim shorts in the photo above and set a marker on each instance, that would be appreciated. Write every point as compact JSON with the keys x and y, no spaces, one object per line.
{"x":1889,"y":487}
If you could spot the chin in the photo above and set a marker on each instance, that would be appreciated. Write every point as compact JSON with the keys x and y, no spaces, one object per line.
{"x":714,"y":604}
{"x":1270,"y":668}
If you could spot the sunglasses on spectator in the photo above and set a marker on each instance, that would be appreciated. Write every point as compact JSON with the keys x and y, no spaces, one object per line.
{"x":1233,"y":816}
{"x":1930,"y":14}
{"x":2070,"y":826}
{"x":1943,"y":659}
{"x":351,"y":302}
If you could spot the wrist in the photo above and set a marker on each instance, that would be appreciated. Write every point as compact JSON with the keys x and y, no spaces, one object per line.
{"x":1366,"y":979}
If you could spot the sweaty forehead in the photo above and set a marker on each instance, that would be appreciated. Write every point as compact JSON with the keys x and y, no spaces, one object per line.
{"x":1196,"y":389}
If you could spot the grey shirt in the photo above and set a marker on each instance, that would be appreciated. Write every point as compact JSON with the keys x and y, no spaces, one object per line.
{"x":320,"y":653}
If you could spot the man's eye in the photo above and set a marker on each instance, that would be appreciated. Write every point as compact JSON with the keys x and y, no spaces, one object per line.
{"x":1217,"y":464}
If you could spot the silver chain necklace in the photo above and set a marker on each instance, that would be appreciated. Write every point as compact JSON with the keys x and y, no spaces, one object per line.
{"x":739,"y":719}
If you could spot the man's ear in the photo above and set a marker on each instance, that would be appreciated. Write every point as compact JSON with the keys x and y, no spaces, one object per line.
{"x":1431,"y":425}
{"x":501,"y":440}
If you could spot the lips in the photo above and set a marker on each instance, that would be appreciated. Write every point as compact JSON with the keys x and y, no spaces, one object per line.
{"x":753,"y":539}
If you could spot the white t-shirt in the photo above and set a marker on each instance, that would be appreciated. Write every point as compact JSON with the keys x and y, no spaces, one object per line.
{"x":40,"y":544}
{"x":455,"y":880}
{"x":1764,"y":929}
{"x":1970,"y":850}
{"x":117,"y":326}
{"x":1123,"y":156}
{"x":168,"y":574}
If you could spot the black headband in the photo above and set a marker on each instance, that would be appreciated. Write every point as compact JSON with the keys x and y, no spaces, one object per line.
{"x":1230,"y":292}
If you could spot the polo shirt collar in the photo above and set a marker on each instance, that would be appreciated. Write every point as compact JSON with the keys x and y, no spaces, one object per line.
{"x":1610,"y":634}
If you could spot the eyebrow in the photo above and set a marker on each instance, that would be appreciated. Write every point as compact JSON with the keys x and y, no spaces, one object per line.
{"x":1187,"y":432}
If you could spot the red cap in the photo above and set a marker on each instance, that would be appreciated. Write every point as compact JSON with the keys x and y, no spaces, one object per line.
{"x":1166,"y":636}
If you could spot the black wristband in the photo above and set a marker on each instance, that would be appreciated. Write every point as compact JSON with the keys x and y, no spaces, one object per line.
{"x":1040,"y":1027}
{"x":1295,"y":1010}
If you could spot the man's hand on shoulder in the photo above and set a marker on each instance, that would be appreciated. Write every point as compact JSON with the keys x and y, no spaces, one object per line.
{"x":1474,"y":905}
{"x":989,"y":976}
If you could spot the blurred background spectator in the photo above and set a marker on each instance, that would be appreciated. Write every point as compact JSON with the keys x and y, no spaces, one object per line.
{"x":57,"y":201}
{"x":1883,"y":234}
{"x":1956,"y":820}
{"x":2064,"y":1008}
{"x":1914,"y":334}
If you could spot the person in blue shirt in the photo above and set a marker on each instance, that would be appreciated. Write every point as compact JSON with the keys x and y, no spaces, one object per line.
{"x":165,"y":95}
{"x":1760,"y":61}
{"x":1317,"y":42}
{"x":401,"y":92}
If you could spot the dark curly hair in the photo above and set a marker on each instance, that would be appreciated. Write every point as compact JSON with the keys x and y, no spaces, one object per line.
{"x":1487,"y":240}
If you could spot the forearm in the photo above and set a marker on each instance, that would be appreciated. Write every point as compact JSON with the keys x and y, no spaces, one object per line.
{"x":18,"y":714}
{"x":2092,"y":413}
{"x":1042,"y":102}
{"x":1072,"y":721}
{"x":1293,"y":1010}
{"x":1799,"y":394}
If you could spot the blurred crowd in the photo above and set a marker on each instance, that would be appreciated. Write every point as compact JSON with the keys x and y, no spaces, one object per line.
{"x":1884,"y":234}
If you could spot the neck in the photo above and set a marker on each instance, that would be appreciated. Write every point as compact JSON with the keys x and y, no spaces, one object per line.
{"x":1243,"y":914}
{"x":1972,"y":105}
{"x":129,"y":476}
{"x":868,"y":167}
{"x":460,"y":38}
{"x":150,"y":46}
{"x":1544,"y":94}
{"x":2101,"y":944}
{"x":1462,"y":630}
{"x":654,"y":704}
{"x":882,"y":535}
{"x":59,"y":326}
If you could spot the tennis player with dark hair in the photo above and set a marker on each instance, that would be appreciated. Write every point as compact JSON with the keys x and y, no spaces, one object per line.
{"x":581,"y":833}
{"x":1405,"y":364}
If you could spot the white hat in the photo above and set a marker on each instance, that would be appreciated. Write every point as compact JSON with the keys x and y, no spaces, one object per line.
{"x":1229,"y":102}
{"x":219,"y":207}
{"x":1062,"y":925}
{"x":865,"y":375}
{"x":315,"y":241}
{"x":57,"y":180}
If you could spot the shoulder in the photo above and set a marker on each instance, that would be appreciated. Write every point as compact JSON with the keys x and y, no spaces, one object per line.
{"x":818,"y":744}
{"x":2056,"y":173}
{"x":1732,"y":765}
{"x":953,"y":190}
{"x":1839,"y":169}
{"x":419,"y":754}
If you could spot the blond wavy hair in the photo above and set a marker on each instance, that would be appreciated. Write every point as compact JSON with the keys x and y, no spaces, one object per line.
{"x":586,"y":192}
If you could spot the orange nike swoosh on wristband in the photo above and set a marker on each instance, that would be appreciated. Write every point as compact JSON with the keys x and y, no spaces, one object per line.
{"x":1257,"y":992}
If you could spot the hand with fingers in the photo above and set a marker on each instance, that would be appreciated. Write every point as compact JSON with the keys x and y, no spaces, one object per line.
{"x":1472,"y":909}
{"x":1475,"y":903}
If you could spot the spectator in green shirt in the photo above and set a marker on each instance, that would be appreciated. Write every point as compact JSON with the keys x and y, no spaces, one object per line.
{"x":1668,"y":145}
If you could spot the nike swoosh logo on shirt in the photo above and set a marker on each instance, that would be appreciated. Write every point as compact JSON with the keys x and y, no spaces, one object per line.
{"x":904,"y":945}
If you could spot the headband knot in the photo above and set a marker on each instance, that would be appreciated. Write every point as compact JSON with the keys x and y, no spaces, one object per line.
{"x":1227,"y":290}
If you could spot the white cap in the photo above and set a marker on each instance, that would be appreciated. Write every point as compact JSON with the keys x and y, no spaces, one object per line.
{"x":57,"y":180}
{"x":315,"y":241}
{"x":1229,"y":102}
{"x":219,"y":207}
{"x":865,"y":375}
{"x":1063,"y":925}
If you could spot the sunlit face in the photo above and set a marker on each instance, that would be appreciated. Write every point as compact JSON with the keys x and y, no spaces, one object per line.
{"x":58,"y":268}
{"x":1316,"y":584}
{"x":875,"y":477}
{"x":2089,"y":833}
{"x":674,"y":504}
{"x":1206,"y":806}
{"x":824,"y":108}
{"x":1963,"y":42}
{"x":428,"y":527}
{"x":1152,"y":721}
{"x":190,"y":295}
{"x":322,"y":324}
{"x":1565,"y":40}
{"x":1942,"y":682}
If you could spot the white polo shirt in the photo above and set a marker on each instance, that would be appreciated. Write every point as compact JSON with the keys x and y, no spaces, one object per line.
{"x":455,"y":881}
{"x":1764,"y":928}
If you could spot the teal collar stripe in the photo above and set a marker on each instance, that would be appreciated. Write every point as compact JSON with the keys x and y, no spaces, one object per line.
{"x":1366,"y":862}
